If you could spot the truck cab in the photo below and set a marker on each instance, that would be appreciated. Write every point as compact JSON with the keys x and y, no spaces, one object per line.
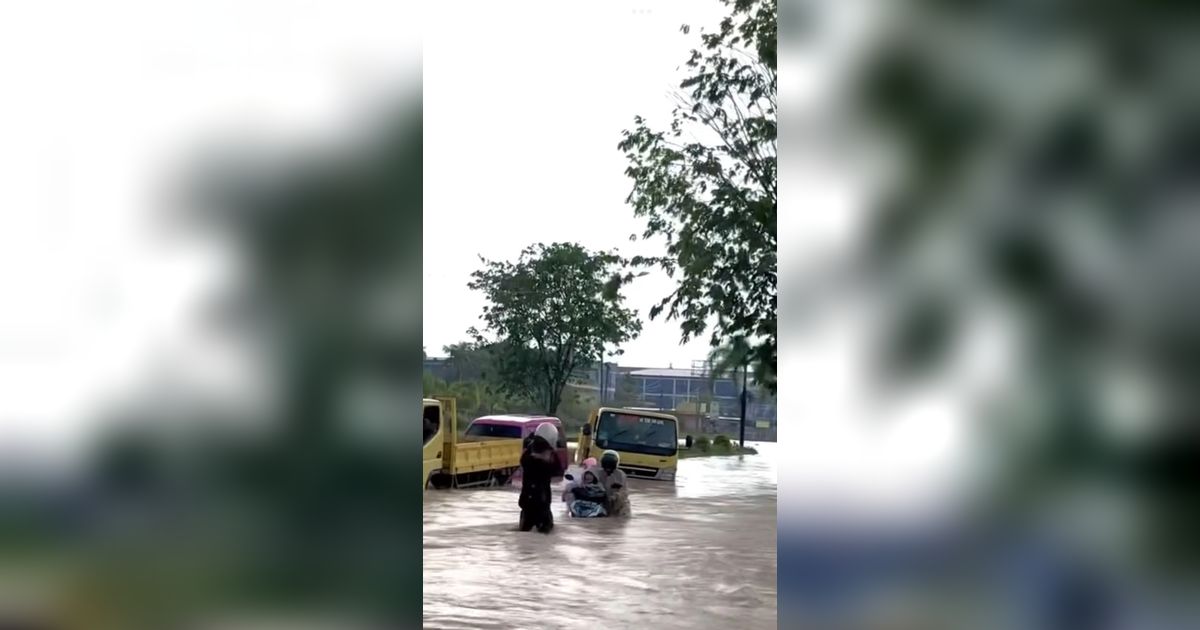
{"x":647,"y":441}
{"x":448,"y":463}
{"x":433,"y":434}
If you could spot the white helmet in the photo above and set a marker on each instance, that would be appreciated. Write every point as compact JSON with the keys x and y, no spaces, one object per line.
{"x":548,"y":432}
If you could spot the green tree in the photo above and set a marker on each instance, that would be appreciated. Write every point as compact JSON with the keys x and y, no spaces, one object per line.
{"x":555,"y":309}
{"x":728,"y":359}
{"x":708,"y":185}
{"x":576,"y":406}
{"x":469,"y":360}
{"x":476,"y":391}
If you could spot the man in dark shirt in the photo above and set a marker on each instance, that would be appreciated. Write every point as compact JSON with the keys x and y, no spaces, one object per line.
{"x":539,"y":466}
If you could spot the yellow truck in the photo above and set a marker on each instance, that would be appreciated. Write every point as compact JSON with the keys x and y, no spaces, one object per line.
{"x":449,"y":463}
{"x":647,"y":441}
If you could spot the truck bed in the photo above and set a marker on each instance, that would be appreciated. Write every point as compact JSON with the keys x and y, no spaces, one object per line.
{"x":471,"y":457}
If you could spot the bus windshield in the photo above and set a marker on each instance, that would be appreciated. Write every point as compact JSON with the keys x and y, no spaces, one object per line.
{"x":636,"y":434}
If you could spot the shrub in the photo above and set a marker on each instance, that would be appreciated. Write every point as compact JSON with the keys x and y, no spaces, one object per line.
{"x":722,"y":442}
{"x":702,"y":444}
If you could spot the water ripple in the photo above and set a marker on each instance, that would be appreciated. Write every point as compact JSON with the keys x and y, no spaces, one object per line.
{"x":697,"y":554}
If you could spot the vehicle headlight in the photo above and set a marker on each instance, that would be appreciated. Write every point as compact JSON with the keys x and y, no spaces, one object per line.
{"x":666,"y":474}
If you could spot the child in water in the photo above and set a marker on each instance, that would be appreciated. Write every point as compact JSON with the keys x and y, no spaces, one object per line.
{"x":571,"y":484}
{"x":589,"y":496}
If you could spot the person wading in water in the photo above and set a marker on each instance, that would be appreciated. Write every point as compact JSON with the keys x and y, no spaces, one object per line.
{"x":539,"y":466}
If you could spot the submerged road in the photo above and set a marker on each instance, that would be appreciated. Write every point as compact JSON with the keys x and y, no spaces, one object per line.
{"x":696,"y":554}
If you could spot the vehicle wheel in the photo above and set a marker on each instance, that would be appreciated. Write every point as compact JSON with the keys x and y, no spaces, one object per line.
{"x":502,"y":478}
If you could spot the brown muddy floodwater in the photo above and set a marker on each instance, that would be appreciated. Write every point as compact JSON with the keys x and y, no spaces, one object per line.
{"x":696,"y":554}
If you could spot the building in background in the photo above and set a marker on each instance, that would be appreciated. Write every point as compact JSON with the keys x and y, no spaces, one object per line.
{"x":441,"y":367}
{"x":705,"y":405}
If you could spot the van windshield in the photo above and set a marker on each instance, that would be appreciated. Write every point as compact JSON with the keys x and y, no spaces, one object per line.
{"x":636,"y":434}
{"x":488,"y":430}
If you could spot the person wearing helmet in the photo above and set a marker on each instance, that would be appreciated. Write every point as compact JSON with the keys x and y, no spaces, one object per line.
{"x":617,"y":503}
{"x":571,"y":483}
{"x":539,"y":466}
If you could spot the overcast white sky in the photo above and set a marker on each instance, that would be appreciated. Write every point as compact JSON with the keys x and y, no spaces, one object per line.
{"x":524,"y":106}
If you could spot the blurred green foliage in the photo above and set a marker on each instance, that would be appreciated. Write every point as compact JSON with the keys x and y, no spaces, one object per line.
{"x":1048,"y":157}
{"x":307,"y":505}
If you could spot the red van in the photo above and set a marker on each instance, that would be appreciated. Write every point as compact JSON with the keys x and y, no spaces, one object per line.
{"x":516,"y":427}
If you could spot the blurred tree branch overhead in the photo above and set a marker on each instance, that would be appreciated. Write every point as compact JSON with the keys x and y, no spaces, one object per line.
{"x":300,"y":501}
{"x":1047,"y":156}
{"x":708,"y":185}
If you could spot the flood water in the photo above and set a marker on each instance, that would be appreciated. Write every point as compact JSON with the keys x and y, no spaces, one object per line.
{"x":696,"y":554}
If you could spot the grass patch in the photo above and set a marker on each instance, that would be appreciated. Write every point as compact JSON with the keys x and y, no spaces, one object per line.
{"x":705,"y":446}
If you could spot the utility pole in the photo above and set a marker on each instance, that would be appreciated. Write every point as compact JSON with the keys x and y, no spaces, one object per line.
{"x":743,"y":435}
